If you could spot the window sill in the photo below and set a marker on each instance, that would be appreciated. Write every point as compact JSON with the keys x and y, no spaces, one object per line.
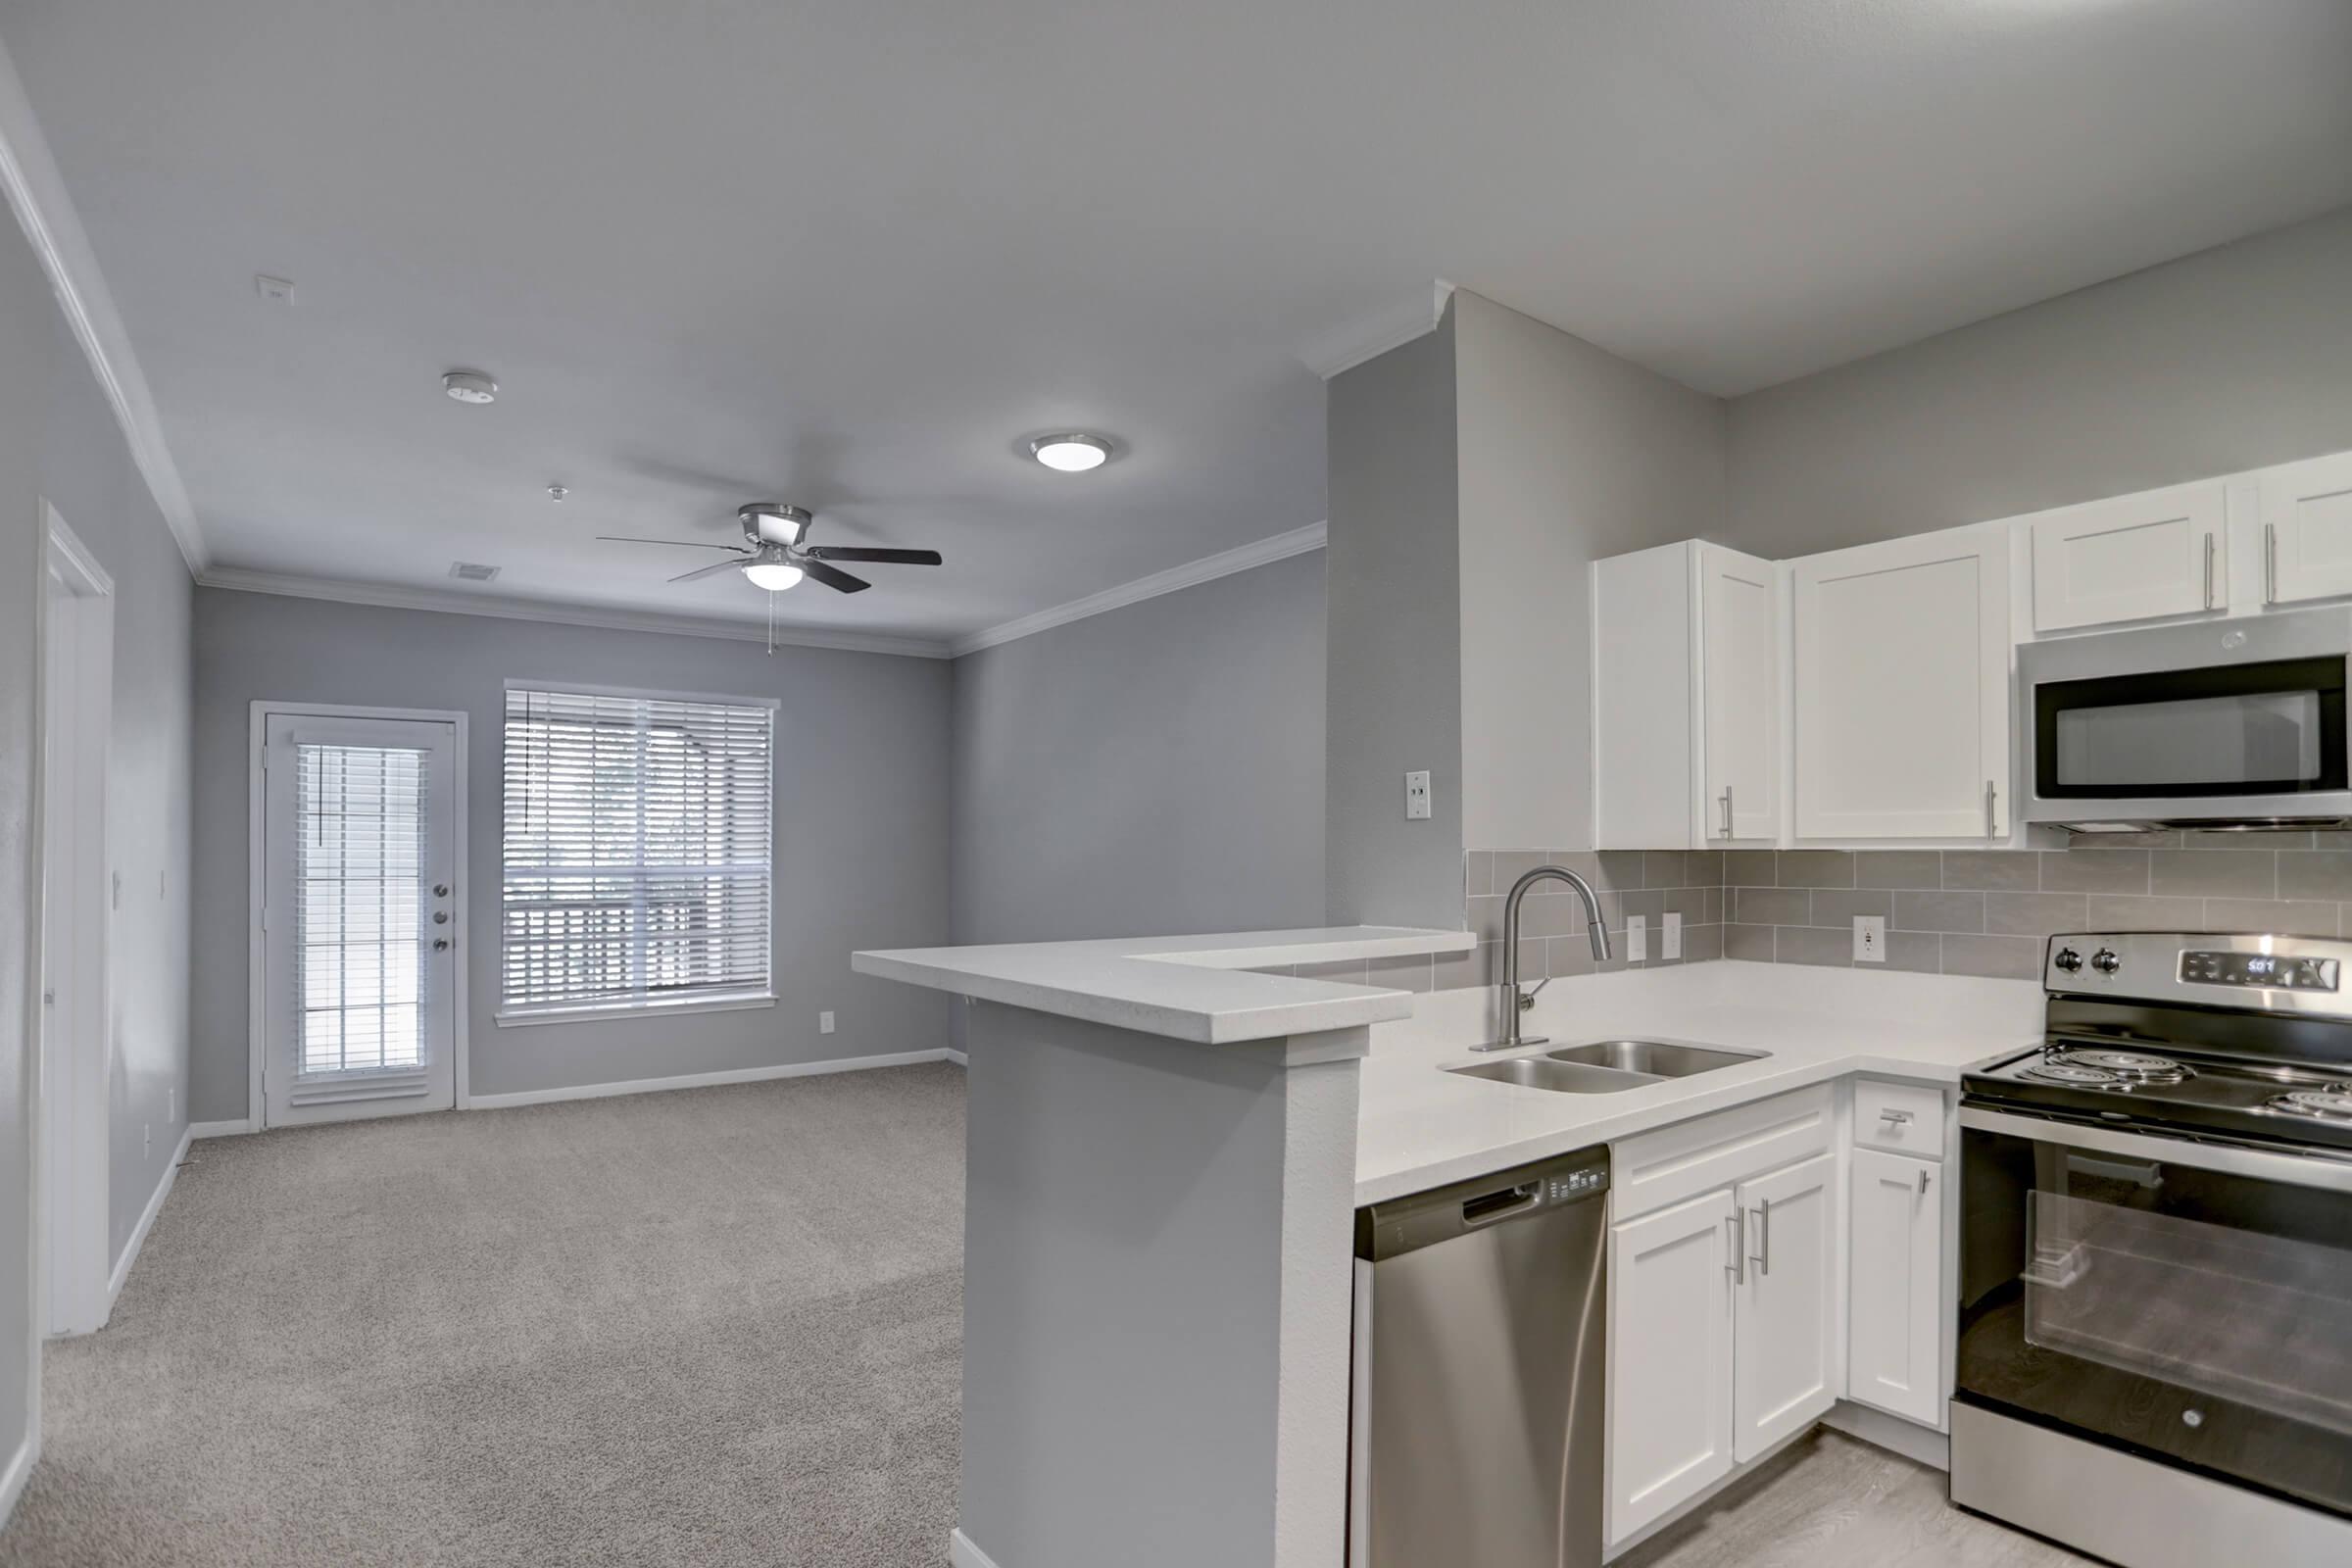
{"x":627,"y":1012}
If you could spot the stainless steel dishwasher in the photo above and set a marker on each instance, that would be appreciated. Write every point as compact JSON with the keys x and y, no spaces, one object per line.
{"x":1481,"y":1311}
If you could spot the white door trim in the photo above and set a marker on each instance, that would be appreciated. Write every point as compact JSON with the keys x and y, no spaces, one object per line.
{"x":256,"y":987}
{"x":70,"y":1105}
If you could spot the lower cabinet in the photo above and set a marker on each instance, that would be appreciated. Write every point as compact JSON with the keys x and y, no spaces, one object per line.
{"x":1722,"y":1338}
{"x":1894,"y":1335}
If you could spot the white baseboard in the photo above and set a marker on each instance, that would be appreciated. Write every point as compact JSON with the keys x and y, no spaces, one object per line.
{"x":704,"y":1080}
{"x":957,"y":1057}
{"x":1920,"y":1444}
{"x":20,"y":1471}
{"x":222,"y":1129}
{"x":139,"y":1236}
{"x":961,"y":1553}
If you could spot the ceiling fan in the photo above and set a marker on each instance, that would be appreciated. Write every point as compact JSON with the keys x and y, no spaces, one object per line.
{"x":772,"y":555}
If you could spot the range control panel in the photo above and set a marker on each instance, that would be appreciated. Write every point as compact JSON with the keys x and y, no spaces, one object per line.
{"x":2264,"y":969}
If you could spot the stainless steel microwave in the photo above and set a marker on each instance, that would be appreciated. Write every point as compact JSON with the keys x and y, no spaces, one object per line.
{"x":2226,"y":724}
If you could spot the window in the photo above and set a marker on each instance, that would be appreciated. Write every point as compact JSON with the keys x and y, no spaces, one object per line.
{"x":637,"y":853}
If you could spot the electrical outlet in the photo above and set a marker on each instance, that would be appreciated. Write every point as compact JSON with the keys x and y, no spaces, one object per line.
{"x":824,"y":1023}
{"x":1636,"y":937}
{"x":1416,"y":795}
{"x":1870,"y":938}
{"x":1670,"y":936}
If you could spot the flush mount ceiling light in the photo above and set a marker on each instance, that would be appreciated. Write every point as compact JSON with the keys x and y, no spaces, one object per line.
{"x":470,"y":386}
{"x":1070,"y":451}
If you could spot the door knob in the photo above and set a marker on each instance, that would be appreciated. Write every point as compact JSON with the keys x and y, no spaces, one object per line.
{"x":440,"y":889}
{"x":440,"y":943}
{"x":440,"y":917}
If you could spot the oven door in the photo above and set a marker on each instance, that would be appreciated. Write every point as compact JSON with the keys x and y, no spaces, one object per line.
{"x":2187,"y":724}
{"x":2190,"y":1303}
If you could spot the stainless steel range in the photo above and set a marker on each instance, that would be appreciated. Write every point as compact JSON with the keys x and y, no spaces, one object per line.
{"x":2155,"y":1351}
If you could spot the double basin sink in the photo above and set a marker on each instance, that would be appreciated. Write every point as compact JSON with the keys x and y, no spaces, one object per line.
{"x":1606,"y":1066}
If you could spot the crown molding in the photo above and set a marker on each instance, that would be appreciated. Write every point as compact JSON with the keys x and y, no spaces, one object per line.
{"x":1369,"y":337}
{"x":37,"y":193}
{"x":454,"y":602}
{"x":1208,"y":568}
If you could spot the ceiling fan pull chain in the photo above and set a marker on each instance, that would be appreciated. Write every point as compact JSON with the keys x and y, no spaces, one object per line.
{"x":771,"y":625}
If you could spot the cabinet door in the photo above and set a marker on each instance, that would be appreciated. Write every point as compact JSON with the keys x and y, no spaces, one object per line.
{"x":1643,"y":638}
{"x":2307,"y":529}
{"x":1902,"y":688}
{"x":1740,"y":703}
{"x":2157,"y":553}
{"x":1896,"y":1307}
{"x":1670,"y":1360}
{"x":1784,"y":1343}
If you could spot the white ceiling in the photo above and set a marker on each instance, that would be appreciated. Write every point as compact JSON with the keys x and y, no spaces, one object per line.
{"x":848,"y":252}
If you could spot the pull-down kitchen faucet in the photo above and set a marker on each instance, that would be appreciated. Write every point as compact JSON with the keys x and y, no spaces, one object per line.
{"x":1515,"y":1000}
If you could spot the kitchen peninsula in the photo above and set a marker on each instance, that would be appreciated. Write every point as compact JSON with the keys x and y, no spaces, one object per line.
{"x":1167,"y":1142}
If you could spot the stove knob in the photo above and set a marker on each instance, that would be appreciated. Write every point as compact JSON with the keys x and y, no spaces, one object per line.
{"x":2105,"y":961}
{"x":2067,"y":959}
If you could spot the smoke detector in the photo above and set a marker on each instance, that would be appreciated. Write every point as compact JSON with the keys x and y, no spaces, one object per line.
{"x":470,"y":386}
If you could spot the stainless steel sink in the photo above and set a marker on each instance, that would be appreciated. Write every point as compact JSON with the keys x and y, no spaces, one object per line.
{"x":1662,"y":1058}
{"x":1564,"y":1077}
{"x":1606,"y":1066}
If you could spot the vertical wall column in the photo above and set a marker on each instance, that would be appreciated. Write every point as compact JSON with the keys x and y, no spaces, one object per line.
{"x":1157,"y":1296}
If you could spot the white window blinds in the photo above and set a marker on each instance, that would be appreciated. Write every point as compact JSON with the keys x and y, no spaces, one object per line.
{"x":637,"y":852}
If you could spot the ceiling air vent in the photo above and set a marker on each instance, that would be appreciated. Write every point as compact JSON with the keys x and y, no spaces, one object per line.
{"x":472,"y":572}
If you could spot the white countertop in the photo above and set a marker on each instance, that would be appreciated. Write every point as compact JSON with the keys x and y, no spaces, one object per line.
{"x":1191,"y":987}
{"x":1419,"y":1126}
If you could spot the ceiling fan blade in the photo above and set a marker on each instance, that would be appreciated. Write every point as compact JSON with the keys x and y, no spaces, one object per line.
{"x":899,"y":558}
{"x":834,"y":577}
{"x":705,"y":571}
{"x":689,"y":544}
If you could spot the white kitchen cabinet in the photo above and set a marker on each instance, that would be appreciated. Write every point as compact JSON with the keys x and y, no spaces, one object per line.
{"x":1902,"y":693}
{"x":2131,"y":557}
{"x":1785,"y":1323}
{"x":1896,"y":1301}
{"x":1670,"y":1360}
{"x":2306,"y":529}
{"x":1686,"y":657}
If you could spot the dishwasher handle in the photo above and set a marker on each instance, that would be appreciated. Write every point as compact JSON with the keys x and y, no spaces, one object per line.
{"x":1483,"y":1202}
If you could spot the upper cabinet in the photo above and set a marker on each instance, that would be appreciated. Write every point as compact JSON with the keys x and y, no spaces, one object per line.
{"x":2159,"y":553}
{"x":1686,"y":652}
{"x":2307,"y":529}
{"x":1902,"y":688}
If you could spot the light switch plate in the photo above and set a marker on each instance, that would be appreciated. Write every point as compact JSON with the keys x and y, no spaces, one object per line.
{"x":1870,"y":938}
{"x":824,"y":1023}
{"x":1669,"y":935}
{"x":1416,"y":795}
{"x":1636,"y":937}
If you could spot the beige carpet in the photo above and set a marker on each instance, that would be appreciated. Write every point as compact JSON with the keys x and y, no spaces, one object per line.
{"x":713,"y":1327}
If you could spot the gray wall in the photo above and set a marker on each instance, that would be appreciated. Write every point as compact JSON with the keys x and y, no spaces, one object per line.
{"x":2232,"y":359}
{"x":1393,"y":693}
{"x":1568,"y":454}
{"x":861,"y":774}
{"x":58,"y":439}
{"x":1157,"y":769}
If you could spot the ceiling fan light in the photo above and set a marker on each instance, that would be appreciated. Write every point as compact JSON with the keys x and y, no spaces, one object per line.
{"x":1072,"y":452}
{"x":774,"y":576}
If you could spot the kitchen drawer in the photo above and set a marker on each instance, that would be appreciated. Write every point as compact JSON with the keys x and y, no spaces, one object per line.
{"x":1900,"y":1118}
{"x":1651,"y":1171}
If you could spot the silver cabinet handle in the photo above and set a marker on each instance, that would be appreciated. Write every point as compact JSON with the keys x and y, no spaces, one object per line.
{"x":1727,"y":810}
{"x":1738,"y":1264}
{"x":2270,"y":563}
{"x":2209,"y":572}
{"x":1763,"y":1254}
{"x":1898,"y":1117}
{"x":1991,"y":798}
{"x":1923,"y":1184}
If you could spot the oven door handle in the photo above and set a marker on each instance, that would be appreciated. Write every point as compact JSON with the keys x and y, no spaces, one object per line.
{"x":2256,"y":1164}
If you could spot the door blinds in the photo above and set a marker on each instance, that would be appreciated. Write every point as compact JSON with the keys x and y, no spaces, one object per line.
{"x":637,"y":852}
{"x":359,"y":868}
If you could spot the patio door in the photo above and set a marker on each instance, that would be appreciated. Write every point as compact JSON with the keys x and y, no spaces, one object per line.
{"x":361,"y":925}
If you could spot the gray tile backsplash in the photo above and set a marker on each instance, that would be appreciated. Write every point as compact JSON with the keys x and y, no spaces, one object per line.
{"x":1989,"y":912}
{"x":1950,"y":911}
